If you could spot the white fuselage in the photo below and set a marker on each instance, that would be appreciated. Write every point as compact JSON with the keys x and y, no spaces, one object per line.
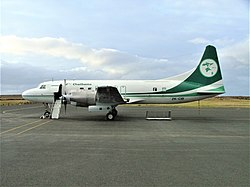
{"x":133,"y":91}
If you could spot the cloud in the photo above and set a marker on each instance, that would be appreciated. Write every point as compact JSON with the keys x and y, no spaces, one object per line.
{"x":235,"y":64}
{"x":108,"y":60}
{"x":228,"y":49}
{"x":60,"y":47}
{"x":16,"y":78}
{"x":237,"y":52}
{"x":199,"y":40}
{"x":29,"y":61}
{"x":234,"y":60}
{"x":57,"y":47}
{"x":33,"y":60}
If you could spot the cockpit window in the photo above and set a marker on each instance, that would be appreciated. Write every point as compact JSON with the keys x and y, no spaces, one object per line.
{"x":42,"y":87}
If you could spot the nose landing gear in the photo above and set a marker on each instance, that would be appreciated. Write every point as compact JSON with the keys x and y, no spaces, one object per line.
{"x":47,"y":113}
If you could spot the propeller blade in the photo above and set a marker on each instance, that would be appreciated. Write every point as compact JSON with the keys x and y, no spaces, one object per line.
{"x":64,"y":87}
{"x":65,"y":106}
{"x":64,"y":94}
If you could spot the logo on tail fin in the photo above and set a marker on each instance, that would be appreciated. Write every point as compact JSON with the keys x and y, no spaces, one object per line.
{"x":208,"y":68}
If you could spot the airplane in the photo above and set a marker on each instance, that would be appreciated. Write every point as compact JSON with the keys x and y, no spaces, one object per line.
{"x":202,"y":82}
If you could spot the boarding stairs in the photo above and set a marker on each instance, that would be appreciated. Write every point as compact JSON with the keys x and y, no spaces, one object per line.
{"x":158,"y":115}
{"x":56,"y":109}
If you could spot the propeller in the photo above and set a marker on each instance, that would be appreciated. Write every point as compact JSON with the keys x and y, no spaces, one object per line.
{"x":65,"y":105}
{"x":64,"y":87}
{"x":64,"y":94}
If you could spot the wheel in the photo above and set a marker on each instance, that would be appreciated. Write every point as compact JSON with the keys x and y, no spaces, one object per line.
{"x":110,"y":116}
{"x":46,"y":113}
{"x":43,"y":117}
{"x":114,"y":112}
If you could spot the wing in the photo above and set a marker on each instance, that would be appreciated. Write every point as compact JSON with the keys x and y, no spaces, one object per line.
{"x":108,"y":95}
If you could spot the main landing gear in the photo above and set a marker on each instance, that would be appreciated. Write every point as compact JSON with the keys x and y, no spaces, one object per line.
{"x":47,"y":113}
{"x":111,"y":115}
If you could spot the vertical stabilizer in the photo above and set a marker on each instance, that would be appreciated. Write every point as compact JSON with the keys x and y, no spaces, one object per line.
{"x":207,"y":74}
{"x":208,"y":71}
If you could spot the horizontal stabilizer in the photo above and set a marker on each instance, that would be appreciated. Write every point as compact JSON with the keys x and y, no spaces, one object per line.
{"x":219,"y":90}
{"x":210,"y":92}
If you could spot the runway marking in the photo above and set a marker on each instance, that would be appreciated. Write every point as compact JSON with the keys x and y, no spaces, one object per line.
{"x":20,"y":126}
{"x":33,"y":127}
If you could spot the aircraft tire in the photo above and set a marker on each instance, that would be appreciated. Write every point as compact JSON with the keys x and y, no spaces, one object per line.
{"x":43,"y":117}
{"x":110,"y":116}
{"x":114,"y":112}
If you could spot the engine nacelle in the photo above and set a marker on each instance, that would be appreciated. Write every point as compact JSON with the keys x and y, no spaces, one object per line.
{"x":82,"y":98}
{"x":100,"y":108}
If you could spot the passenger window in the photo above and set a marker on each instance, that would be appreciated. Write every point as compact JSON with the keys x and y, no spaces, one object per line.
{"x":89,"y":88}
{"x":154,"y":89}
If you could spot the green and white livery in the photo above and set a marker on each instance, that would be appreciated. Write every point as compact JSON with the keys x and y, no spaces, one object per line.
{"x":104,"y":95}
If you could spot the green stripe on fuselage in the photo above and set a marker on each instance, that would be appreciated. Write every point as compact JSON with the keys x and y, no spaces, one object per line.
{"x":159,"y":95}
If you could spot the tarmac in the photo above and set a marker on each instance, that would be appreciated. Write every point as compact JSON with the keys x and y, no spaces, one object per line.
{"x":206,"y":147}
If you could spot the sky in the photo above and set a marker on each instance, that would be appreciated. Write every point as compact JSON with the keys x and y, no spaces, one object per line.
{"x":46,"y":40}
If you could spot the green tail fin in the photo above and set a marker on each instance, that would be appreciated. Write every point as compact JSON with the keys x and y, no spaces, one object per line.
{"x":207,"y":72}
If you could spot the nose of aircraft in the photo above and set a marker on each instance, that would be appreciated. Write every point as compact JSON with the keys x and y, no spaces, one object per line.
{"x":27,"y":94}
{"x":38,"y":95}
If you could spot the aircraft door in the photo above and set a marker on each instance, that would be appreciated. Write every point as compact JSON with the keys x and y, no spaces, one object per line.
{"x":58,"y":94}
